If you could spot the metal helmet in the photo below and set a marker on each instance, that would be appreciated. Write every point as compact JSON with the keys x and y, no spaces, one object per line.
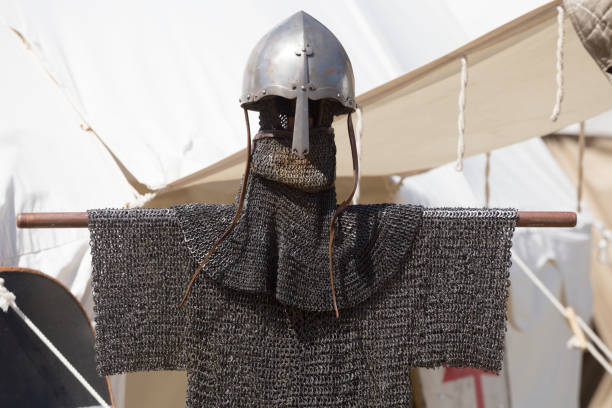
{"x":299,"y":59}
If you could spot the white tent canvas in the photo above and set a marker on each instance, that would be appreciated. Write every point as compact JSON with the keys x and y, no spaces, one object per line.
{"x":510,"y":94}
{"x":170,"y":110}
{"x":48,"y":163}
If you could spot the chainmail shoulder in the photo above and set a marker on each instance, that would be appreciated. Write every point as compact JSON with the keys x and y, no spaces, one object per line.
{"x":445,"y":306}
{"x":280,"y":244}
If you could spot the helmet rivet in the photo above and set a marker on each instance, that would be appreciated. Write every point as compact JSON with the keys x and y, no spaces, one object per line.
{"x":303,"y":87}
{"x":248,"y":97}
{"x":294,"y":86}
{"x":263,"y":92}
{"x":338,"y":95}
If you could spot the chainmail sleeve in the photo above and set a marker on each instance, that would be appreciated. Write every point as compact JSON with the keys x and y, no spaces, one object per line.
{"x":459,"y":281}
{"x":139,"y":272}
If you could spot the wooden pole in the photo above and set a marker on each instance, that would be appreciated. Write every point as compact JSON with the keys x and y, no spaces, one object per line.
{"x":52,"y":220}
{"x":79,"y":219}
{"x":546,"y":219}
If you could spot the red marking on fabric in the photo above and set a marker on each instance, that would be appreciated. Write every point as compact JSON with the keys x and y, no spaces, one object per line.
{"x":452,"y":374}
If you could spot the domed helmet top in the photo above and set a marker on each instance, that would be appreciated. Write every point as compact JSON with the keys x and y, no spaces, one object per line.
{"x":299,"y":59}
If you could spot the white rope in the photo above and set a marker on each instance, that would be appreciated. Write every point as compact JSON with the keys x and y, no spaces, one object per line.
{"x":7,"y":299}
{"x":577,"y":340}
{"x":461,"y":118}
{"x":580,"y":167}
{"x":560,"y":39}
{"x":573,"y":342}
{"x":595,"y":353}
{"x":598,"y":342}
{"x":602,"y":245}
{"x":358,"y":113}
{"x":487,"y":176}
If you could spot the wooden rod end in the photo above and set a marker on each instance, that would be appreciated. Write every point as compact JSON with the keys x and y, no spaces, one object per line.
{"x":20,"y":221}
{"x":52,"y":220}
{"x":559,"y":219}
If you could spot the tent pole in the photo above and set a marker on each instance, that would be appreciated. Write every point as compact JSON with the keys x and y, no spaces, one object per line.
{"x":79,"y":219}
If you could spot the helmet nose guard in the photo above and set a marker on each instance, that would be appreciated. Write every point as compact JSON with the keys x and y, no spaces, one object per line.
{"x":299,"y":59}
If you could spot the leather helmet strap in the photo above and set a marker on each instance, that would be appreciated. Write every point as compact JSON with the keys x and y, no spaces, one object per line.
{"x":341,"y":207}
{"x":245,"y":178}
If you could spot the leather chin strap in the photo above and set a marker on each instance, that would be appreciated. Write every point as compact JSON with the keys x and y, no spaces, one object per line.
{"x":341,"y":207}
{"x":332,"y":227}
{"x":245,"y":179}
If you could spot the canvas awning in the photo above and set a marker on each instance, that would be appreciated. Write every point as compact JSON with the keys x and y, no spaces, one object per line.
{"x":410,"y":123}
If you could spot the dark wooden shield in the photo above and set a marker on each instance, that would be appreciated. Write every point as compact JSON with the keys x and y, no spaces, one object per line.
{"x":31,"y":375}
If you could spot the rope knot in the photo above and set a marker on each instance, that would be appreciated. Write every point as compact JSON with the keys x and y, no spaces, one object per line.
{"x":7,"y":298}
{"x":578,"y":340}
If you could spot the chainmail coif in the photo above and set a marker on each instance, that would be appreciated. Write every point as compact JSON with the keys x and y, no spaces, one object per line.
{"x":274,"y":160}
{"x":417,"y":287}
{"x":280,"y":244}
